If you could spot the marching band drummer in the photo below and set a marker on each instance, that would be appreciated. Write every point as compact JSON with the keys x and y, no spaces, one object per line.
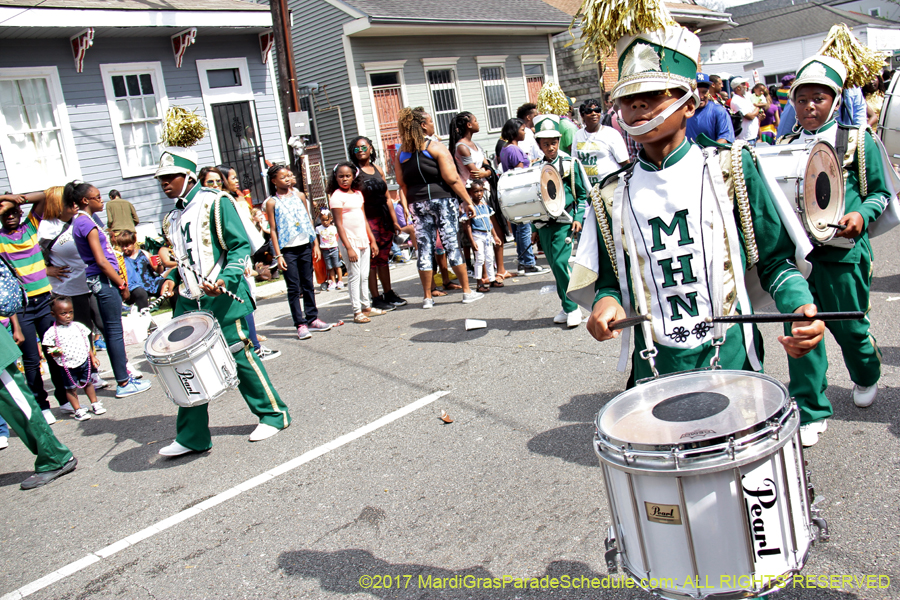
{"x":556,"y":235}
{"x":680,"y":223}
{"x":206,"y":214}
{"x":841,"y":275}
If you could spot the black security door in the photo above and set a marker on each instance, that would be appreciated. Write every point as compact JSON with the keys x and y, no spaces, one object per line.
{"x":239,"y":145}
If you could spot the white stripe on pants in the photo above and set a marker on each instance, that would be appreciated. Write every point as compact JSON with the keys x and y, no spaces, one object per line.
{"x":358,"y":278}
{"x":484,"y":253}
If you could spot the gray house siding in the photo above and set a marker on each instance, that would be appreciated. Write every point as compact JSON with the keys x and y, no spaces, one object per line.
{"x":319,"y":58}
{"x":469,"y":86}
{"x":90,"y":120}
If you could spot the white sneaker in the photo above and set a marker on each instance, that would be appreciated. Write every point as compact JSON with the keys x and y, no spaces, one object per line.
{"x":561,"y":318}
{"x":99,"y":384}
{"x":67,"y":409}
{"x":98,"y":409}
{"x":573,"y":319}
{"x":263,"y":432}
{"x":48,"y":416}
{"x":133,"y":371}
{"x":864,"y":396}
{"x":809,"y":433}
{"x":174,"y":449}
{"x":4,"y":442}
{"x":472,"y":297}
{"x":81,"y":414}
{"x":428,"y":303}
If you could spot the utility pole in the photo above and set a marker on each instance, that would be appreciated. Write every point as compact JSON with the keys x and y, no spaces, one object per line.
{"x":284,"y":60}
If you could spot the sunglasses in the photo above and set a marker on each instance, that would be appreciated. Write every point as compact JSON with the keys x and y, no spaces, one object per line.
{"x":212,"y":182}
{"x":595,"y":110}
{"x":359,"y":149}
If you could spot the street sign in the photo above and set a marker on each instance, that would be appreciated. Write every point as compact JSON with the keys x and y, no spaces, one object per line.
{"x":729,"y":52}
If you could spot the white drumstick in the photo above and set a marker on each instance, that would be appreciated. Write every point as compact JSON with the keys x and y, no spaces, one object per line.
{"x":212,"y":283}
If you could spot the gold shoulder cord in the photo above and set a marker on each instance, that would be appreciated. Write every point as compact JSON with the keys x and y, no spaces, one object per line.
{"x":861,"y":153}
{"x":219,"y":223}
{"x":603,"y":223}
{"x":743,"y":202}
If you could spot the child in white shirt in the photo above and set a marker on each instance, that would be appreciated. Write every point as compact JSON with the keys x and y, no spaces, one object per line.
{"x":69,"y":343}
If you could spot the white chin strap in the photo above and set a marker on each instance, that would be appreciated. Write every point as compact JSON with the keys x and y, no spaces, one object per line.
{"x":657,"y":120}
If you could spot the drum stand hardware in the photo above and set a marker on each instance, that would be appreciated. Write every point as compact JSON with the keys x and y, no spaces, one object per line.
{"x":612,"y":551}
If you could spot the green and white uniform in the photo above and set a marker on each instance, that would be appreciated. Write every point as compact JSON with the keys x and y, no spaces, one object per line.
{"x":677,"y":237}
{"x":553,"y":233}
{"x":208,"y":235}
{"x":21,"y":412}
{"x":841,"y":278}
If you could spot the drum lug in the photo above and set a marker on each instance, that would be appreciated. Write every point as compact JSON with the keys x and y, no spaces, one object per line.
{"x":820,"y":523}
{"x":612,"y":550}
{"x":731,"y":448}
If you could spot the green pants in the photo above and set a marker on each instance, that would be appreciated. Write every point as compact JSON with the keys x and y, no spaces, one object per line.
{"x":553,"y":242}
{"x":192,"y":425}
{"x":836,"y":287}
{"x":21,"y":412}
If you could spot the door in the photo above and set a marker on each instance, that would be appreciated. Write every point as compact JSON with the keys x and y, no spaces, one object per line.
{"x":239,"y":146}
{"x":386,"y":93}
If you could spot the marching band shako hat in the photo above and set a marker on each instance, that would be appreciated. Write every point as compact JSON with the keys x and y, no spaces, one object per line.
{"x":658,"y":60}
{"x":547,"y":126}
{"x":822,"y":70}
{"x":178,"y":161}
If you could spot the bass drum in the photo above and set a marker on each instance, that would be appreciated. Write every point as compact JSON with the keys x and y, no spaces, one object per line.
{"x":889,"y":120}
{"x":531,"y":194}
{"x":706,"y":484}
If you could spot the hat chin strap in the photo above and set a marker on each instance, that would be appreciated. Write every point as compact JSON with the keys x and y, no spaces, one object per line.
{"x":657,"y":120}
{"x":186,"y":186}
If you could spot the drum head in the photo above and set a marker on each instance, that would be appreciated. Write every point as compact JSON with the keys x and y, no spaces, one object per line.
{"x":823,"y":192}
{"x":180,"y":334}
{"x":552,"y":192}
{"x":691,"y":407}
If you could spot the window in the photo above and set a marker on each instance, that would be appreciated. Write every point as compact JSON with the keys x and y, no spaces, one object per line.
{"x":494,"y":81}
{"x":874,"y":12}
{"x":137,"y":105}
{"x":220,"y":78}
{"x":35,"y":138}
{"x":441,"y":76}
{"x":533,"y":69}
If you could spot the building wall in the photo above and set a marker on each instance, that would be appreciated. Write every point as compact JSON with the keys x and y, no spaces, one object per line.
{"x":886,"y":8}
{"x":469,"y":86}
{"x":90,"y":120}
{"x":577,"y":77}
{"x":319,"y":58}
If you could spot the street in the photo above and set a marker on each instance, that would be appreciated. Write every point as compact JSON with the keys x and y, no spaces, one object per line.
{"x":369,"y":487}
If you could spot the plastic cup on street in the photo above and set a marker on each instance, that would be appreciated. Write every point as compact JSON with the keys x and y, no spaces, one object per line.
{"x":475,"y":324}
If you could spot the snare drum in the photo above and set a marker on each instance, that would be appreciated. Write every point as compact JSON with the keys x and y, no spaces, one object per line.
{"x":889,"y":120}
{"x":531,"y":194}
{"x":812,"y":179}
{"x":706,"y":484}
{"x":192,"y":359}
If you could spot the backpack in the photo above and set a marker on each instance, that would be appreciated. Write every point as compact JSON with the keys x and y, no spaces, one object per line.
{"x":12,"y":293}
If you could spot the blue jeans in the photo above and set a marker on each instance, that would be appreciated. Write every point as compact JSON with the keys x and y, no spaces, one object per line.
{"x":4,"y":428}
{"x":300,"y":282}
{"x":110,"y":303}
{"x":251,"y":331}
{"x":34,"y":321}
{"x":522,"y":233}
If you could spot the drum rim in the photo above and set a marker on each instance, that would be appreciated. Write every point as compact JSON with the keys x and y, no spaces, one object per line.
{"x":559,"y":181}
{"x":655,"y":449}
{"x":812,"y":233}
{"x":149,"y":352}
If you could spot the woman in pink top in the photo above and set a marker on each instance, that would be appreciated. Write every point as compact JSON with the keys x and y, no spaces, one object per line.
{"x":357,"y":242}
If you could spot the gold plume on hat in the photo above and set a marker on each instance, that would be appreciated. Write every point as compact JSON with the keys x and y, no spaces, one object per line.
{"x":863,"y":63}
{"x":183,"y":128}
{"x":551,"y":100}
{"x":604,"y":22}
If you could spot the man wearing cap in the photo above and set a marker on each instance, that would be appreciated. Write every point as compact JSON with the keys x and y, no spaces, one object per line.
{"x":710,"y":118}
{"x":663,"y":234}
{"x":842,"y":268}
{"x":556,"y":234}
{"x":741,"y":102}
{"x":212,"y":249}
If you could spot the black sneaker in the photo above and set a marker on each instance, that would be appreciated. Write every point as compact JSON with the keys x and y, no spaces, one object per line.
{"x":393,"y":298}
{"x":380,"y":303}
{"x":532,"y":270}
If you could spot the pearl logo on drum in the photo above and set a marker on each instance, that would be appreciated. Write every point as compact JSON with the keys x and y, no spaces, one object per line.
{"x":667,"y":514}
{"x":185,"y":378}
{"x":759,"y":503}
{"x":696,"y":433}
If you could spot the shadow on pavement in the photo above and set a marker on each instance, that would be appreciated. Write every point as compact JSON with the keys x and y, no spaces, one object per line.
{"x":14,"y":478}
{"x":573,"y":443}
{"x":454,"y":330}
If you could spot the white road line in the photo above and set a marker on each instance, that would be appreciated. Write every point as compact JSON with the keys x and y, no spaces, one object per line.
{"x":78,"y":565}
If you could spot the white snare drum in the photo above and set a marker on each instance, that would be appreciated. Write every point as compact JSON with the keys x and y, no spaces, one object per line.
{"x":192,"y":359}
{"x":812,"y":179}
{"x":889,"y":120}
{"x":531,"y":194}
{"x":706,"y":484}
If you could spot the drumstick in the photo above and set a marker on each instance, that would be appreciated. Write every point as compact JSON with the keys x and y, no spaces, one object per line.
{"x":836,"y":226}
{"x":212,"y":283}
{"x":759,"y":318}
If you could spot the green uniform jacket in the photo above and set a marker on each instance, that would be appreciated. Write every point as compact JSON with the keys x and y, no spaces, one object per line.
{"x":236,"y":250}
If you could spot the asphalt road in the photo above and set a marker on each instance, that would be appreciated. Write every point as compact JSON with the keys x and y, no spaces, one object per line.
{"x":510,"y":489}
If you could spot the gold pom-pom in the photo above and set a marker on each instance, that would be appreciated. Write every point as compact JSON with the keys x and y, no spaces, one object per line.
{"x":183,"y":128}
{"x":552,"y":101}
{"x":863,"y":64}
{"x":604,"y":22}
